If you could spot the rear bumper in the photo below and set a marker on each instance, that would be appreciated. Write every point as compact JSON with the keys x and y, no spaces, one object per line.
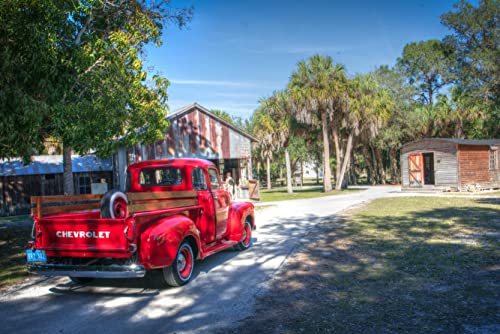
{"x":110,"y":271}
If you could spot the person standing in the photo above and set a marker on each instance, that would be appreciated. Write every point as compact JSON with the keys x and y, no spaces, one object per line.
{"x":229,"y":184}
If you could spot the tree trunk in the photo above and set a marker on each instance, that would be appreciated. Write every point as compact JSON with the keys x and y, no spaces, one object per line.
{"x":394,"y":166}
{"x":68,"y":184}
{"x":268,"y":173}
{"x":376,"y":176}
{"x":301,"y":173}
{"x":317,"y":173}
{"x":354,"y":179}
{"x":338,"y":154}
{"x":289,"y":188}
{"x":340,"y":181}
{"x":380,"y":162}
{"x":369,"y":165}
{"x":327,"y":173}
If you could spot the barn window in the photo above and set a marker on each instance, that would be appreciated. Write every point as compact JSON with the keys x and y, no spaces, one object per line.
{"x":493,"y":159}
{"x":84,"y":184}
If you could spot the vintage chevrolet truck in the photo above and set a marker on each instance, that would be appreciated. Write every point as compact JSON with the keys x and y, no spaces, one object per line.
{"x":173,"y":212}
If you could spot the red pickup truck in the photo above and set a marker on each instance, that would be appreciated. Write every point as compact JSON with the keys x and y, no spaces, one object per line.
{"x":173,"y":212}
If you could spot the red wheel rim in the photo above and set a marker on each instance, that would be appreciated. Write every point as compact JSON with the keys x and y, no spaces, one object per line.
{"x":120,"y":208}
{"x":185,"y":262}
{"x":247,"y":234}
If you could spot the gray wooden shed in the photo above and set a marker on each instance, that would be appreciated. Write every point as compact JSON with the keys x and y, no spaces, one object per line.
{"x":450,"y":164}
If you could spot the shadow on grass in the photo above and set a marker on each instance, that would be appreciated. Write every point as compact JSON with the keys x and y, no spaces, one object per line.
{"x":13,"y":258}
{"x":432,"y":269}
{"x":429,"y":270}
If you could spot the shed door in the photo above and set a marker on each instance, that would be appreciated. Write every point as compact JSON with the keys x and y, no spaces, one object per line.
{"x":415,"y":166}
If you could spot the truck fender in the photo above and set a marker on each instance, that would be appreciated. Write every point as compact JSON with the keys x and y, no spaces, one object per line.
{"x":238,"y":214}
{"x":159,"y":242}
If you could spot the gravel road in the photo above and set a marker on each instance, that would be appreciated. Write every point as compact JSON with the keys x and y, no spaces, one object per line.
{"x":222,"y":291}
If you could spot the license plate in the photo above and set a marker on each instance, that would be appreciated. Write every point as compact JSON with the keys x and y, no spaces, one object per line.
{"x":36,"y":256}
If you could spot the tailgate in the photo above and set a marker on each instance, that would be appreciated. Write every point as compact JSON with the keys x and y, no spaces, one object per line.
{"x":84,"y":237}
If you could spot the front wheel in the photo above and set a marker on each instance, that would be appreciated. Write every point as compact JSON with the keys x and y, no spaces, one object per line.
{"x":246,"y":240}
{"x":181,"y":270}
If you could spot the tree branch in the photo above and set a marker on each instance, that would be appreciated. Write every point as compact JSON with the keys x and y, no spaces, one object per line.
{"x":84,"y":28}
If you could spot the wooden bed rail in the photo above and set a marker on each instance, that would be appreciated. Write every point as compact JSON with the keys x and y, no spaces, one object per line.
{"x":137,"y":202}
{"x":63,"y":204}
{"x":149,"y":201}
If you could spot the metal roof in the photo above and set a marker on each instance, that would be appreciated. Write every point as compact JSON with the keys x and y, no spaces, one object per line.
{"x":52,"y":164}
{"x":490,"y":142}
{"x":187,"y":108}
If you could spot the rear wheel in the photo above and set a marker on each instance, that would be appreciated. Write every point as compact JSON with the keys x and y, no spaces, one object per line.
{"x":81,"y":280}
{"x":181,"y":270}
{"x":246,"y":241}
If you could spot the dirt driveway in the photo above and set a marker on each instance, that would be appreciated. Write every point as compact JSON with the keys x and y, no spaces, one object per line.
{"x":223,"y":291}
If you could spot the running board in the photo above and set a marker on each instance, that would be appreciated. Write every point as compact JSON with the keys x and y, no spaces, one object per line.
{"x":218,"y":247}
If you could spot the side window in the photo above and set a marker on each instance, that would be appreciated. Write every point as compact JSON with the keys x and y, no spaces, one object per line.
{"x":214,"y":178}
{"x":199,"y":180}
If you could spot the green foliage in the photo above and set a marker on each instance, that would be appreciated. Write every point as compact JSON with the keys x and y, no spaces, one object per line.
{"x":74,"y":71}
{"x":474,"y":40}
{"x":438,"y":88}
{"x":427,"y":65}
{"x":224,"y":115}
{"x":318,"y":89}
{"x":237,"y":121}
{"x":279,"y":108}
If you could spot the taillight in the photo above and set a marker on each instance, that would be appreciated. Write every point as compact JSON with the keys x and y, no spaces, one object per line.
{"x":31,"y":245}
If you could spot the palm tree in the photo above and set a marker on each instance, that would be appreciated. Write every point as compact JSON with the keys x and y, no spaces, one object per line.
{"x":368,"y":110}
{"x":263,"y":129}
{"x":317,"y":89}
{"x":279,"y":108}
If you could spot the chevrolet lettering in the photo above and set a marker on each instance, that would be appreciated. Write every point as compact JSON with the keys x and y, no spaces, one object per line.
{"x":171,"y":213}
{"x":83,"y":234}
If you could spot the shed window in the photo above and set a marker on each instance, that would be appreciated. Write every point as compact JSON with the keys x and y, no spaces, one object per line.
{"x":493,"y":159}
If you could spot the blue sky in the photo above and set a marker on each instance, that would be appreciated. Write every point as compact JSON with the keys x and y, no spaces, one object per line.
{"x":234,"y":53}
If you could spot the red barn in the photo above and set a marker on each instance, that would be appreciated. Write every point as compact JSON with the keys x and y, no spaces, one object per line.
{"x":195,"y":132}
{"x":450,"y":164}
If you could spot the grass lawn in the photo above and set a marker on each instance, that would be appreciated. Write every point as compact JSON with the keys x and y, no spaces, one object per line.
{"x":280,"y":194}
{"x":401,"y":265}
{"x":13,"y":242}
{"x":494,"y":193}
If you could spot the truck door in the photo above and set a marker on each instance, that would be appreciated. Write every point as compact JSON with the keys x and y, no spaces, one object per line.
{"x":221,"y":203}
{"x":206,"y":223}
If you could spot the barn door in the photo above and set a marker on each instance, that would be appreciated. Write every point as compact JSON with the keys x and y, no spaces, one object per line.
{"x":415,"y":167}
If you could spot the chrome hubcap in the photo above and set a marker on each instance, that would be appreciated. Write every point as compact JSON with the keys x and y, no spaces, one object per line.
{"x":181,"y":262}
